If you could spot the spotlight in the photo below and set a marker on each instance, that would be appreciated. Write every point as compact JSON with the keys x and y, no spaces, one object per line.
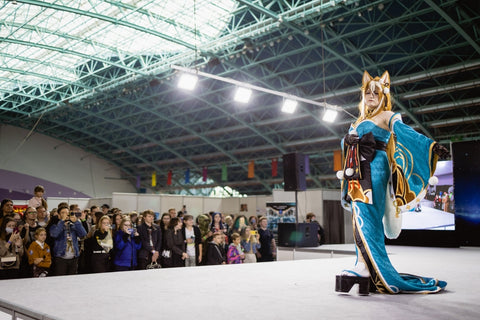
{"x":242,"y":95}
{"x":187,"y":81}
{"x":289,"y":105}
{"x":329,"y":115}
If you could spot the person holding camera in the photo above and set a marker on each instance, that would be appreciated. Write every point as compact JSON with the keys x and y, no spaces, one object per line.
{"x":250,"y":243}
{"x":11,"y":249}
{"x":127,"y":242}
{"x":66,"y":248}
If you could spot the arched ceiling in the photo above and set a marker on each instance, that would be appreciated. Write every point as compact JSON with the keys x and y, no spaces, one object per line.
{"x":97,"y":74}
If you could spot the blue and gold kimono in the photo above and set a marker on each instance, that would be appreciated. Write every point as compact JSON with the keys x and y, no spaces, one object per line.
{"x":390,"y":176}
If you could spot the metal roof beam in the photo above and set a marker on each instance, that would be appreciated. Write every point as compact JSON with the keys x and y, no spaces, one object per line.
{"x":454,"y":25}
{"x":111,"y":20}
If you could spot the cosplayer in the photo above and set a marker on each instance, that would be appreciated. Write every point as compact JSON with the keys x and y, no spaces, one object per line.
{"x":386,"y":169}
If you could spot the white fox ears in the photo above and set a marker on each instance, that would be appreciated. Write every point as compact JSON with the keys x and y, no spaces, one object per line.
{"x":384,"y":81}
{"x":366,"y":78}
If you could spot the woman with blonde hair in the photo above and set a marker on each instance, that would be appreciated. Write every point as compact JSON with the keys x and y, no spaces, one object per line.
{"x":100,"y":245}
{"x":250,"y":241}
{"x":387,"y":166}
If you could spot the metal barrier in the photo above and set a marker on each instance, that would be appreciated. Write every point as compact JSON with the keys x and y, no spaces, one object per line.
{"x":9,"y":311}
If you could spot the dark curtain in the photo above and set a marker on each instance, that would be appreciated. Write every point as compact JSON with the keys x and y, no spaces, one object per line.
{"x":333,"y":222}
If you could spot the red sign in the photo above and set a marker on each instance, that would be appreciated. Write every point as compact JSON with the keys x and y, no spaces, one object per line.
{"x":20,"y":208}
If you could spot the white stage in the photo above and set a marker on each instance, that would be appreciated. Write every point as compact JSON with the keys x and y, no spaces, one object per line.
{"x":301,"y":289}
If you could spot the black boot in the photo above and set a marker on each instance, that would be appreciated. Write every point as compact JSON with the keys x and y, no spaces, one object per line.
{"x":344,"y":283}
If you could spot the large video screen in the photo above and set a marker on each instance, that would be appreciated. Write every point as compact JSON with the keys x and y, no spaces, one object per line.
{"x":437,"y":210}
{"x":466,"y":170}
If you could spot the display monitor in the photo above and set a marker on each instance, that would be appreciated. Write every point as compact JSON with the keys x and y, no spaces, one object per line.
{"x":432,"y":221}
{"x":437,"y":210}
{"x":466,"y":172}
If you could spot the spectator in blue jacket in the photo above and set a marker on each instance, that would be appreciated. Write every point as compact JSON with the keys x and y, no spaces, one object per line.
{"x":66,"y":233}
{"x":127,"y":242}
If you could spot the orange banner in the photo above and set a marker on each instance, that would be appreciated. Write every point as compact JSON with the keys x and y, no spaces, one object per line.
{"x":337,"y":160}
{"x":251,"y":169}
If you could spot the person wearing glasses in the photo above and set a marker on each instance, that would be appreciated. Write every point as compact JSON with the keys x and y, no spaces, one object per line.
{"x":42,"y":216}
{"x":30,"y":226}
{"x":27,"y":232}
{"x":127,"y":243}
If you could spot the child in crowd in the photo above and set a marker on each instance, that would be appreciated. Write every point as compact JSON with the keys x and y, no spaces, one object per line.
{"x":235,"y":251}
{"x":39,"y":255}
{"x":215,"y":251}
{"x":38,"y":200}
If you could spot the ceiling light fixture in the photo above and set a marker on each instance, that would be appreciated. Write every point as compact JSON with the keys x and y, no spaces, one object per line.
{"x":245,"y":85}
{"x":329,"y":115}
{"x":242,"y":95}
{"x":187,"y":81}
{"x":289,"y":105}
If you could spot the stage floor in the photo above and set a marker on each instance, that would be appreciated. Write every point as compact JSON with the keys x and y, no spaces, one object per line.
{"x":300,"y":289}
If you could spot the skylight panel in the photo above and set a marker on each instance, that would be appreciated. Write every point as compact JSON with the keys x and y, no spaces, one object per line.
{"x":77,"y":35}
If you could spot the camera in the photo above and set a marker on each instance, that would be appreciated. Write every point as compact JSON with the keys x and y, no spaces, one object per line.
{"x":253,"y":232}
{"x":78,"y":214}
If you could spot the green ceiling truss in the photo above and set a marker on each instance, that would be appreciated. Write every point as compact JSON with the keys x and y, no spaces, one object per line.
{"x":124,"y":106}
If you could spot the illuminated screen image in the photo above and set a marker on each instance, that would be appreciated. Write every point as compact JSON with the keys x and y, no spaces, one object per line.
{"x":437,"y":210}
{"x":466,"y":169}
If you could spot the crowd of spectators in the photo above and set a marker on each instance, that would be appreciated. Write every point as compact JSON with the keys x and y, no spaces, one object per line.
{"x":67,"y":240}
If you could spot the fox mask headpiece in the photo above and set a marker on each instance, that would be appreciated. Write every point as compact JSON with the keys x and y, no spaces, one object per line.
{"x":381,"y":85}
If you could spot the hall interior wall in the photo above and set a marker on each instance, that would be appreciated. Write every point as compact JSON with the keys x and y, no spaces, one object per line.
{"x":40,"y":156}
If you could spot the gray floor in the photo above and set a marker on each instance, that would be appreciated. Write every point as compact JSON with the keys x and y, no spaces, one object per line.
{"x":300,"y":289}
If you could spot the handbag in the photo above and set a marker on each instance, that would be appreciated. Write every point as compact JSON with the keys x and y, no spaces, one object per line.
{"x":166,"y":253}
{"x":153,"y":265}
{"x":8,"y":261}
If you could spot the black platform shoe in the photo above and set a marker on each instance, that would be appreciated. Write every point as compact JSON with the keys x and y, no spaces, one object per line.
{"x":344,"y":283}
